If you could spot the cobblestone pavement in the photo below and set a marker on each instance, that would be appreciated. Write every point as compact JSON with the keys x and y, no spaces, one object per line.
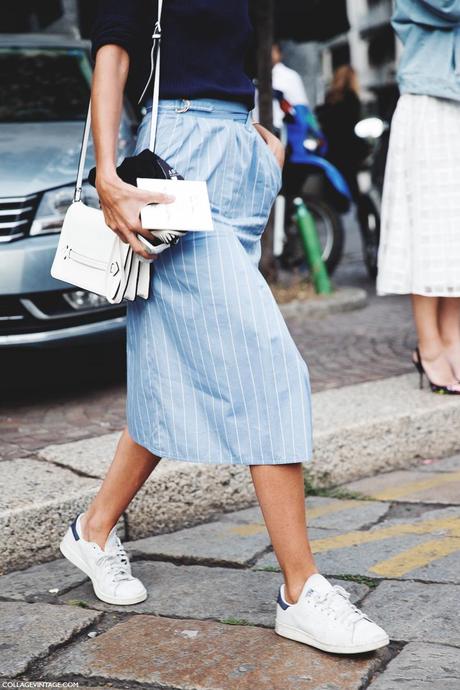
{"x":393,"y":541}
{"x":61,"y":395}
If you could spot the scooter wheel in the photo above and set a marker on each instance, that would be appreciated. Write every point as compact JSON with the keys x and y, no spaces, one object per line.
{"x":369,"y":221}
{"x":330,"y":232}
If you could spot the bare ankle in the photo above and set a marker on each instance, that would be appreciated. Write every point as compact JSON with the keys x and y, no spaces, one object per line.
{"x":451,"y":345}
{"x":95,"y":529}
{"x":294,"y":585}
{"x":431,"y":352}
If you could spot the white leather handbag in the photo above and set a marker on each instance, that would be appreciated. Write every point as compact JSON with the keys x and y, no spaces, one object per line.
{"x":89,"y":254}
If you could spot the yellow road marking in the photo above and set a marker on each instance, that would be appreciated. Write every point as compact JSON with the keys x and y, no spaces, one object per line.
{"x":416,"y":557}
{"x":420,"y":485}
{"x":327,"y":509}
{"x":257,"y":527}
{"x":447,"y":542}
{"x":248,"y":530}
{"x":341,"y":541}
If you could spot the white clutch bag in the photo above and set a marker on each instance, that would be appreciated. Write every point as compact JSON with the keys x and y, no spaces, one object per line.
{"x":89,"y":254}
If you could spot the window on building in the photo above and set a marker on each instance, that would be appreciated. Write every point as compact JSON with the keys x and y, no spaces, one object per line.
{"x":340,"y":55}
{"x":382,"y":47}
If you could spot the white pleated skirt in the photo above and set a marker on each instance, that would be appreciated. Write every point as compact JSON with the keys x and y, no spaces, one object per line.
{"x":420,"y":234}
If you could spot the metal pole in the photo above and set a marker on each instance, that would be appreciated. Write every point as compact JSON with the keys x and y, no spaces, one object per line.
{"x":264,"y":20}
{"x":312,"y":248}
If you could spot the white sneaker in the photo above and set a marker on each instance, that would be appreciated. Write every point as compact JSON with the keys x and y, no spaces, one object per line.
{"x":324,"y":617}
{"x":108,"y":569}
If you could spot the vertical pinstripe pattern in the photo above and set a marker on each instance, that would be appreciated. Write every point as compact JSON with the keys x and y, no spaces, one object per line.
{"x":214,"y":375}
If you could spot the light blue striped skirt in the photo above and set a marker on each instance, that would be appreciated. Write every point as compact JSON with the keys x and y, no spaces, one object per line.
{"x":214,"y":375}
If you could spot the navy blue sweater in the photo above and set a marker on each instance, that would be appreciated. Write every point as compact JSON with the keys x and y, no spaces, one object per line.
{"x":203,"y":47}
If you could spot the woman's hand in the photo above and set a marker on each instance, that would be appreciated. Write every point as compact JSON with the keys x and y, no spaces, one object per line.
{"x":273,"y":143}
{"x":121,"y":204}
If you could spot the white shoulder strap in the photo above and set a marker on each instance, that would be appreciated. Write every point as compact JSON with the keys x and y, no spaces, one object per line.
{"x":155,"y":73}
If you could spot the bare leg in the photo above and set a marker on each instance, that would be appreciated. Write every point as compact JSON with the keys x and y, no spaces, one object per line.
{"x":434,"y":359}
{"x":449,"y":327}
{"x":130,"y":468}
{"x":281,"y":494}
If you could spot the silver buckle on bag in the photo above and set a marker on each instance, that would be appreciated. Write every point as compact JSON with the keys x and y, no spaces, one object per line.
{"x":187,"y":105}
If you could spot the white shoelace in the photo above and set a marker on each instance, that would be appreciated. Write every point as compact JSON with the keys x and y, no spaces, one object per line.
{"x":116,"y":562}
{"x":336,"y":603}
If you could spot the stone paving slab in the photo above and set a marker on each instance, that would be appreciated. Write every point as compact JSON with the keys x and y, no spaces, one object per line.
{"x":88,"y":456}
{"x":378,"y":426}
{"x":30,"y":631}
{"x":232,"y":543}
{"x":239,"y":537}
{"x":202,"y":655}
{"x":25,"y":482}
{"x":198,"y":592}
{"x":177,"y":493}
{"x":175,"y":496}
{"x":342,"y":300}
{"x":182,"y":494}
{"x":36,"y":502}
{"x":412,"y":486}
{"x":416,"y":611}
{"x":45,"y":581}
{"x":421,"y":666}
{"x":423,"y":548}
{"x":334,"y":513}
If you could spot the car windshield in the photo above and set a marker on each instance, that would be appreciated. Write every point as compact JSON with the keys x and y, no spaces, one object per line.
{"x":43,"y":84}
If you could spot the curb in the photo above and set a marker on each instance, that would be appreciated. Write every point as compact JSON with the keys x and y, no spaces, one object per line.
{"x":342,"y":300}
{"x":360,"y":430}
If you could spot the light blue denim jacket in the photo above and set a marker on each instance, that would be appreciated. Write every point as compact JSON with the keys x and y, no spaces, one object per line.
{"x":430,"y":32}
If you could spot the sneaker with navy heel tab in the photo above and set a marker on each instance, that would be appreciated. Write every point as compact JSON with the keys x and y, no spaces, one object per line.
{"x":324,"y":617}
{"x":109,"y":568}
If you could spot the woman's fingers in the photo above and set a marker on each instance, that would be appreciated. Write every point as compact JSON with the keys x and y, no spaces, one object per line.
{"x":278,"y":150}
{"x":273,"y":143}
{"x":156,"y":198}
{"x":138,"y":247}
{"x":145,"y":233}
{"x":127,"y":231}
{"x":122,"y":204}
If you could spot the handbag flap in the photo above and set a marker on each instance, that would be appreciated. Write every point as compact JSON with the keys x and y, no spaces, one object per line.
{"x":85,"y":251}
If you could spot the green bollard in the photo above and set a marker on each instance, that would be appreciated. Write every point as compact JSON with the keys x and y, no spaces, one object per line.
{"x":312,"y":248}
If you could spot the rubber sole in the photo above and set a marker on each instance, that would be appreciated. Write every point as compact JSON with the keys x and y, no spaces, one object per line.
{"x":300,"y":636}
{"x":68,"y":550}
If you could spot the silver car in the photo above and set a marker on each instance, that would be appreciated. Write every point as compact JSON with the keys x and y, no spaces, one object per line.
{"x":45,"y":88}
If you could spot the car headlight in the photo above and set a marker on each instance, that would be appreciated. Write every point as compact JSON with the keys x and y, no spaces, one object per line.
{"x":84,"y":300}
{"x":53,"y":206}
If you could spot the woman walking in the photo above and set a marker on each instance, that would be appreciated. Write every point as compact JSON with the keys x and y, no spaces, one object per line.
{"x":213,"y":373}
{"x":420,"y":244}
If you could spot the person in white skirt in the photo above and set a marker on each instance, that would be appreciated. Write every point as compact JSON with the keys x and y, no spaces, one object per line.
{"x":420,"y":236}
